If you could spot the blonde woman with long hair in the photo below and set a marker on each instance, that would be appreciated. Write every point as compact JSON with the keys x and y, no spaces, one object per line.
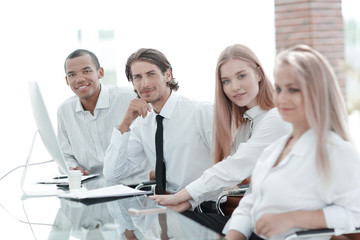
{"x":245,"y":122}
{"x":309,"y":179}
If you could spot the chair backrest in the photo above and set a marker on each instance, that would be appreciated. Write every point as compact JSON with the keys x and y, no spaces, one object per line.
{"x":234,"y":195}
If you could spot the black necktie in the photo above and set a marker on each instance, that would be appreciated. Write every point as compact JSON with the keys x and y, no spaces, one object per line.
{"x":160,"y":173}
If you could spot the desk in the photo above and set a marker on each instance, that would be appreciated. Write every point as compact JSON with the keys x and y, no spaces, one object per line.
{"x":55,"y":218}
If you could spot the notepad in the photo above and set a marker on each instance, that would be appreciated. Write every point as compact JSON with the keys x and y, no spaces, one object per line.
{"x":106,"y":192}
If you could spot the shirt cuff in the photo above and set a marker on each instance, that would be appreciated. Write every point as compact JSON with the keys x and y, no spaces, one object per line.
{"x":117,"y":138}
{"x":73,"y":165}
{"x":194,"y":204}
{"x":239,"y":224}
{"x":196,"y":189}
{"x":71,"y":162}
{"x":339,"y":218}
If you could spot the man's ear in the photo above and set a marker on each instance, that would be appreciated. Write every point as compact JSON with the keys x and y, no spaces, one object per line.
{"x":67,"y":82}
{"x":101,"y":72}
{"x":168,"y":75}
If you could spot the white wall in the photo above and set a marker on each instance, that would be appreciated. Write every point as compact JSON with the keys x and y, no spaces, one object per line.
{"x":36,"y":37}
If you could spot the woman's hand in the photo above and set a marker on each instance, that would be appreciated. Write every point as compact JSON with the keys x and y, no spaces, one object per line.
{"x":270,"y":224}
{"x":178,"y":202}
{"x":165,"y":200}
{"x":234,"y":235}
{"x":274,"y":224}
{"x":171,"y":202}
{"x":182,"y":207}
{"x":177,"y":198}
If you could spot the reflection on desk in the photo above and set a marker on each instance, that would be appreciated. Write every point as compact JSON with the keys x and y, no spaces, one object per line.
{"x":110,"y":220}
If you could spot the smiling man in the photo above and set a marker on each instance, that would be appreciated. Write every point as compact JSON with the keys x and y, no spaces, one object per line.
{"x":85,"y":121}
{"x":180,"y":151}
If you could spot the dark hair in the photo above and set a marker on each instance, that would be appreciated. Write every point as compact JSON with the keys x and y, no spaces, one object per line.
{"x":82,"y":52}
{"x":152,"y":56}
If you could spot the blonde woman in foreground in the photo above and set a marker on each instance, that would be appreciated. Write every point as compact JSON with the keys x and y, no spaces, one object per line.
{"x":309,"y":179}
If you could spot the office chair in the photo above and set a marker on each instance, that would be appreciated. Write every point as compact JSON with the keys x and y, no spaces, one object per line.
{"x":353,"y":235}
{"x":148,"y":185}
{"x":234,"y":195}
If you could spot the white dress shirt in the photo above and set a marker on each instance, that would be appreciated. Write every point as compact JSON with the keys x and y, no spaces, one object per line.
{"x":84,"y":137}
{"x":187,"y":143}
{"x":253,"y":136}
{"x":295,"y":184}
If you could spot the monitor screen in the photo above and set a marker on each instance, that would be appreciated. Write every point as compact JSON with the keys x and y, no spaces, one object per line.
{"x":45,"y":127}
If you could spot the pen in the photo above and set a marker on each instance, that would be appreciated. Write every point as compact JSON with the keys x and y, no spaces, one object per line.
{"x":61,"y":177}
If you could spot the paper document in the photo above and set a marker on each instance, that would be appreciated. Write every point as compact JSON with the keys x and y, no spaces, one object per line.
{"x":113,"y":191}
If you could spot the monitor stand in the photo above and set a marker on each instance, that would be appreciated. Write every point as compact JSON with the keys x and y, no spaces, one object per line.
{"x":31,"y":194}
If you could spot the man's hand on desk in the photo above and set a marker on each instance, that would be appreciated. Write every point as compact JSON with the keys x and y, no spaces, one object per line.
{"x":83,"y":171}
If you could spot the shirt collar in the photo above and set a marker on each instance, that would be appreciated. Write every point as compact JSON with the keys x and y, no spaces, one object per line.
{"x":252,"y":112}
{"x":102,"y":102}
{"x":305,"y":141}
{"x":169,"y":106}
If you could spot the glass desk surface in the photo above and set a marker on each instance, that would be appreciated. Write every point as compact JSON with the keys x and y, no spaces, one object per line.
{"x":56,"y":218}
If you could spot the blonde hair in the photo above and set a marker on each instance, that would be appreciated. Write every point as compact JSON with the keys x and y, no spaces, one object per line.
{"x":324,"y":104}
{"x":228,"y":116}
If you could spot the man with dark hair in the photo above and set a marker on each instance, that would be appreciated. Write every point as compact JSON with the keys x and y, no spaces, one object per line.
{"x":155,"y":57}
{"x":85,"y":121}
{"x":171,"y":132}
{"x":82,"y":52}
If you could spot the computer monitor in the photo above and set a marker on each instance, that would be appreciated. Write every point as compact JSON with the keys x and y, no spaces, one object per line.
{"x":48,"y":137}
{"x":45,"y":127}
